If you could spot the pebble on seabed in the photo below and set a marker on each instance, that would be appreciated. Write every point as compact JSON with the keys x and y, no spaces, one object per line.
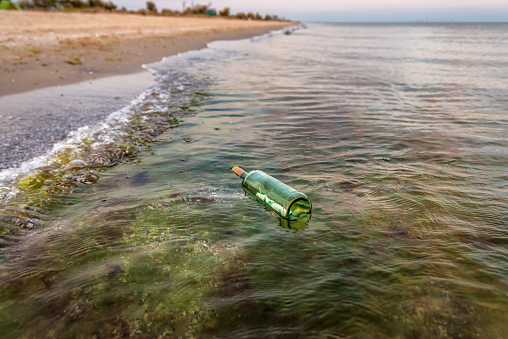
{"x":76,"y":164}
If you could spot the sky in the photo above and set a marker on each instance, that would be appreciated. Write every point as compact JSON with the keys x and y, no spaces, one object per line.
{"x":356,"y":10}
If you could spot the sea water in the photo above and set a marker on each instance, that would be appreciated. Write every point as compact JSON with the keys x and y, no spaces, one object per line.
{"x":398,"y":133}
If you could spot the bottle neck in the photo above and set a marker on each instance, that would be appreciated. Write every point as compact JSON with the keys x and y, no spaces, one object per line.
{"x":239,"y":172}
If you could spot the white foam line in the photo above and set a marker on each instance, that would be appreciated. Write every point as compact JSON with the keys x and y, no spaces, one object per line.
{"x":103,"y":133}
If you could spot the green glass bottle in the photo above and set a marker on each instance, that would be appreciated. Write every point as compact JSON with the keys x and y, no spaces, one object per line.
{"x":279,"y":197}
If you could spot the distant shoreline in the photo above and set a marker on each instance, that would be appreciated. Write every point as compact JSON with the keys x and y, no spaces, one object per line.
{"x":43,"y":49}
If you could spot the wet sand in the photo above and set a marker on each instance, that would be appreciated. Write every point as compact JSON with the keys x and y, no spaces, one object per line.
{"x":62,"y":71}
{"x":32,"y":122}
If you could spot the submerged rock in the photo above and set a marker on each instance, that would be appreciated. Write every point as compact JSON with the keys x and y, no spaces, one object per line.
{"x":76,"y":164}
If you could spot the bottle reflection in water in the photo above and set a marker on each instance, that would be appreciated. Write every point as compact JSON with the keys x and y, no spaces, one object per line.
{"x":279,"y":197}
{"x":295,"y":225}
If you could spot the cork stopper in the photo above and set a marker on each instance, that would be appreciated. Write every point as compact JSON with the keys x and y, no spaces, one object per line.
{"x":238,"y":171}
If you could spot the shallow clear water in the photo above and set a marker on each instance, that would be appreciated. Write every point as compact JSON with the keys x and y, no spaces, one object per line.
{"x":398,"y":135}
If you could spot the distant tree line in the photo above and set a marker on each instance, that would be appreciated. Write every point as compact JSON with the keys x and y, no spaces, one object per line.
{"x":67,"y":4}
{"x":150,"y":9}
{"x":200,"y":9}
{"x":252,"y":16}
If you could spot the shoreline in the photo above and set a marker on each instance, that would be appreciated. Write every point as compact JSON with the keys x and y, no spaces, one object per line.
{"x":31,"y":123}
{"x":45,"y":49}
{"x":35,"y":117}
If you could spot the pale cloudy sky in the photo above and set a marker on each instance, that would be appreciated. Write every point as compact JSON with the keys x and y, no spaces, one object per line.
{"x":356,"y":10}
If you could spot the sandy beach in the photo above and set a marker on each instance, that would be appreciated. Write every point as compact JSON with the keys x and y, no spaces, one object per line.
{"x":40,"y":49}
{"x":98,"y":57}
